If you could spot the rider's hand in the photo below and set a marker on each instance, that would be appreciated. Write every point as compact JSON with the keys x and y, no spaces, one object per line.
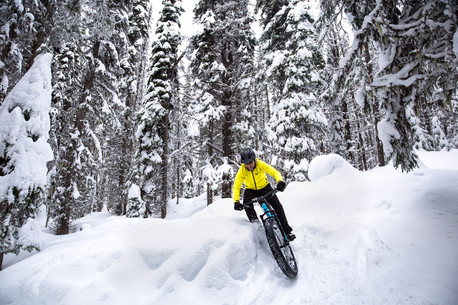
{"x":238,"y":206}
{"x":281,"y":185}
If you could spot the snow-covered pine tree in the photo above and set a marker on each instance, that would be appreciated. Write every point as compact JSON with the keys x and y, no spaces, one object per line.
{"x":250,"y":109}
{"x":154,"y":117}
{"x":102,"y":105}
{"x":135,"y":71}
{"x":221,"y":65}
{"x":25,"y":25}
{"x":116,"y":91}
{"x":72,"y":182}
{"x":90,"y":98}
{"x":24,"y":152}
{"x":68,"y":73}
{"x":350,"y":111}
{"x":417,"y":72}
{"x":291,"y":64}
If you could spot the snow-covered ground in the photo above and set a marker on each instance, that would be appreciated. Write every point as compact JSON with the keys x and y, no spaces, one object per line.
{"x":376,"y":237}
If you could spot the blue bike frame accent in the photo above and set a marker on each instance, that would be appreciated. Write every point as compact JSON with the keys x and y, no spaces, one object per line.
{"x":266,"y":210}
{"x":269,"y":214}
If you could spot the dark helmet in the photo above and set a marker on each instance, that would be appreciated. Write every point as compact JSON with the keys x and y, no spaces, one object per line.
{"x":247,"y":156}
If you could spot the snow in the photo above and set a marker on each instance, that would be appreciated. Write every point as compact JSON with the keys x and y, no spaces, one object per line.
{"x":329,"y":164}
{"x":24,"y":130}
{"x":375,"y":237}
{"x":386,"y":132}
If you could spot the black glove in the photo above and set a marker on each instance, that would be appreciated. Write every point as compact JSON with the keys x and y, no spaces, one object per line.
{"x":238,"y":206}
{"x":281,"y":185}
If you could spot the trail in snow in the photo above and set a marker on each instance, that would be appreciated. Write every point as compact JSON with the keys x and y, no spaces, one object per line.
{"x":376,"y":237}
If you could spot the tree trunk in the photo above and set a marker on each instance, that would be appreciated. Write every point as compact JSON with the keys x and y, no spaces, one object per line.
{"x":165,"y":158}
{"x":374,"y":106}
{"x":380,"y":153}
{"x":227,"y":152}
{"x":209,"y":194}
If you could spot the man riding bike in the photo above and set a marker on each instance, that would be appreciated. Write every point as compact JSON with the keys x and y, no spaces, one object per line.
{"x":253,"y":172}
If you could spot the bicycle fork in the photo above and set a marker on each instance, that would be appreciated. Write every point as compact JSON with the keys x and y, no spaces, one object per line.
{"x":270,"y":214}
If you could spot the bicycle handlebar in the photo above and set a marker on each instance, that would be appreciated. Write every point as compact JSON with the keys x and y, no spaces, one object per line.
{"x":260,"y":198}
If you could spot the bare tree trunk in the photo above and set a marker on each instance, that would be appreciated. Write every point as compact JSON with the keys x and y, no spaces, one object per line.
{"x":374,"y":107}
{"x":165,"y":158}
{"x":227,"y":152}
{"x":209,"y":194}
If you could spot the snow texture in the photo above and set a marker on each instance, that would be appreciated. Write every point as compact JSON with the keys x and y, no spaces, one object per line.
{"x":24,"y":129}
{"x":329,"y":164}
{"x":386,"y":133}
{"x":376,"y":237}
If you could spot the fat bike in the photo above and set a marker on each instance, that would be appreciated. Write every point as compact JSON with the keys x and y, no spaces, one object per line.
{"x":276,"y":236}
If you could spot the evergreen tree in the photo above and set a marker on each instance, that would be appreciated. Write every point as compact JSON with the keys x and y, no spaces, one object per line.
{"x":352,"y":114}
{"x":24,"y":151}
{"x":291,"y":65}
{"x":135,"y":70}
{"x":416,"y":61}
{"x":93,"y":109}
{"x":119,"y":103}
{"x":154,"y":130}
{"x":69,"y":176}
{"x":63,"y":194}
{"x":221,"y":65}
{"x":392,"y":69}
{"x":25,"y":26}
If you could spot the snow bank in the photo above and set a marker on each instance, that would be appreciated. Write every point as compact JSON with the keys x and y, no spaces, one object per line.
{"x":329,"y":164}
{"x":378,"y":237}
{"x":132,"y":261}
{"x":439,"y":159}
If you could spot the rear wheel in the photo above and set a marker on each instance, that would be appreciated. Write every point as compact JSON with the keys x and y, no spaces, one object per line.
{"x":280,"y":248}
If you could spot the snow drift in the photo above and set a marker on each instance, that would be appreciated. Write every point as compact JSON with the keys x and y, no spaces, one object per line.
{"x":376,"y":237}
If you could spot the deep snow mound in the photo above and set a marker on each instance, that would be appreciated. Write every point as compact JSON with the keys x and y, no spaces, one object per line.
{"x":114,"y":260}
{"x":325,"y":165}
{"x":376,"y":237}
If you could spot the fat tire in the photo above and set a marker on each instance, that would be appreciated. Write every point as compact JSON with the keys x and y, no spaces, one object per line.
{"x":281,"y":250}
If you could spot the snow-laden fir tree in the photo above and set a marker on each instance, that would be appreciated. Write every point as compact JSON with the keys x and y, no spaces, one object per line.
{"x":93,"y":98}
{"x":352,"y":114}
{"x":291,"y":65}
{"x":154,"y":117}
{"x":221,"y":65}
{"x":25,"y":25}
{"x":417,"y":73}
{"x":24,"y":152}
{"x":106,"y":98}
{"x":78,"y":150}
{"x":116,"y":90}
{"x":68,"y":69}
{"x":135,"y":70}
{"x":400,"y":65}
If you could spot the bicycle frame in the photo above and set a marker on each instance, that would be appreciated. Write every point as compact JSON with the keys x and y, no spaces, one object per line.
{"x":269,"y":212}
{"x":262,"y":202}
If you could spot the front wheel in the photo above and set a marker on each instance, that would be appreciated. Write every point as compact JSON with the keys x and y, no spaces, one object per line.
{"x":280,"y":248}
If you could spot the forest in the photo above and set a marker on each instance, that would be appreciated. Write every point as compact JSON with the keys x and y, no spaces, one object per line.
{"x":141,"y":115}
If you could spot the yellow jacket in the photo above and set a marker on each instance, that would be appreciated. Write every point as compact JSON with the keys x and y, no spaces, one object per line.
{"x":254,"y":180}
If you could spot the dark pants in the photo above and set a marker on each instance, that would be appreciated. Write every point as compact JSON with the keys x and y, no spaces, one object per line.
{"x":274,"y":202}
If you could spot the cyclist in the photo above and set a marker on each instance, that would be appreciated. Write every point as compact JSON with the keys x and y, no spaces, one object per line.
{"x":253,"y":172}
